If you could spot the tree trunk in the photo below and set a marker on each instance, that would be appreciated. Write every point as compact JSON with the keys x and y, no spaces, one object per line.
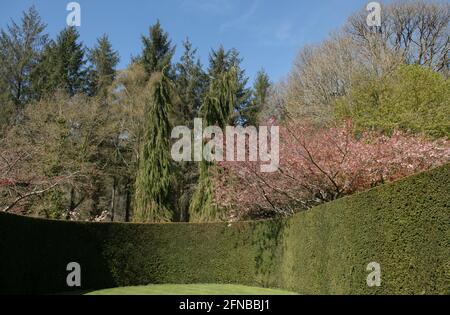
{"x":113,"y":199}
{"x":127,"y":201}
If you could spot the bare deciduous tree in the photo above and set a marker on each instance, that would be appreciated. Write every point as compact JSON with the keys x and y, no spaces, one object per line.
{"x":321,"y":74}
{"x":417,"y":30}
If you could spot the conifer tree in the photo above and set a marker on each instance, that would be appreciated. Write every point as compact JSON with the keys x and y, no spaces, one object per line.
{"x":158,"y":51}
{"x":219,"y":62}
{"x":20,"y":48}
{"x":153,"y":182}
{"x":217,"y":108}
{"x":260,"y":94}
{"x":104,"y":60}
{"x":62,"y":66}
{"x":222,"y":61}
{"x":191,"y":83}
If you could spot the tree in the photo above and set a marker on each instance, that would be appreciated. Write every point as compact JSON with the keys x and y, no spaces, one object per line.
{"x":158,"y":51}
{"x":217,"y":108}
{"x":62,"y":66}
{"x":221,"y":62}
{"x":318,"y":165}
{"x":55,"y":159}
{"x":321,"y":74}
{"x":104,"y":59}
{"x":275,"y":106}
{"x":153,"y":183}
{"x":412,"y":99}
{"x":20,"y":48}
{"x":191,"y":83}
{"x":261,"y":91}
{"x":128,"y":100}
{"x":412,"y":32}
{"x":6,"y":108}
{"x":416,"y":30}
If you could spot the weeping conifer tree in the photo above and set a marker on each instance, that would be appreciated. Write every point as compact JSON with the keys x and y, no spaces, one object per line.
{"x":216,"y":110}
{"x":153,"y":182}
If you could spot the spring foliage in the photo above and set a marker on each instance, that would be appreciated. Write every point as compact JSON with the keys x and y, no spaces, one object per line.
{"x":412,"y":98}
{"x":152,"y":195}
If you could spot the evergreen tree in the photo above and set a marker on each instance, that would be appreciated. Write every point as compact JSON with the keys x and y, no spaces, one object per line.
{"x":20,"y":48}
{"x":220,"y":101}
{"x":191,"y":82}
{"x":153,"y":183}
{"x":158,"y":51}
{"x":219,"y":62}
{"x":217,"y":108}
{"x":222,"y":61}
{"x":243,"y":94}
{"x":104,"y":60}
{"x":221,"y":105}
{"x":260,"y":94}
{"x":62,"y":66}
{"x":191,"y":85}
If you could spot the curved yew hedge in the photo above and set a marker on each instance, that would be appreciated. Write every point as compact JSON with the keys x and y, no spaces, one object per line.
{"x":403,"y":226}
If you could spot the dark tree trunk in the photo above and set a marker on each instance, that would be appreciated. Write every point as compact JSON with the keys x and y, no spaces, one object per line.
{"x":113,"y":199}
{"x":127,"y":201}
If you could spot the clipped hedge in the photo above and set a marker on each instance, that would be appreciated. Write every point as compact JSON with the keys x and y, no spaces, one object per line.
{"x":403,"y":226}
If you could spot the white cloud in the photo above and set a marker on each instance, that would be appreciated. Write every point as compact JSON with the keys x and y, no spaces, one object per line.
{"x":266,"y":32}
{"x":216,"y":7}
{"x":243,"y":19}
{"x":283,"y":32}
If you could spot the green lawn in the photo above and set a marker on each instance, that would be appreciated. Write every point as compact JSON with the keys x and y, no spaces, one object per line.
{"x":191,"y":289}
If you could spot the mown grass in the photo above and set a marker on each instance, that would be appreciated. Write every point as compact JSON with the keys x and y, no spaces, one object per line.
{"x":192,"y":289}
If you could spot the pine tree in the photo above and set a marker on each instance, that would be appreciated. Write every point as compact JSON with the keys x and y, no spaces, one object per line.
{"x":220,"y":101}
{"x":158,"y":51}
{"x":227,"y":95}
{"x":104,"y":60}
{"x":222,"y":61}
{"x":153,"y":183}
{"x":217,"y":108}
{"x":260,"y":94}
{"x":20,"y":48}
{"x":62,"y":66}
{"x":191,"y":85}
{"x":191,"y":82}
{"x":219,"y":62}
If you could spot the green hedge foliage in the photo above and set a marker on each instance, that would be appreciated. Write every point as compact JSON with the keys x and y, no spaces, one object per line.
{"x":403,"y":226}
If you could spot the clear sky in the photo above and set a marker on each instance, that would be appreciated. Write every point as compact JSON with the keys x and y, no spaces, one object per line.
{"x":268,"y":33}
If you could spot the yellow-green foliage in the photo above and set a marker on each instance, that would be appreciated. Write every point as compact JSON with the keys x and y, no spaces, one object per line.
{"x":403,"y":226}
{"x":203,"y":207}
{"x":217,"y":109}
{"x":413,"y":98}
{"x":152,"y":196}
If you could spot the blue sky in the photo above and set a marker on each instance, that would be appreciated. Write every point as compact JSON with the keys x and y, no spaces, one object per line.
{"x":268,"y":34}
